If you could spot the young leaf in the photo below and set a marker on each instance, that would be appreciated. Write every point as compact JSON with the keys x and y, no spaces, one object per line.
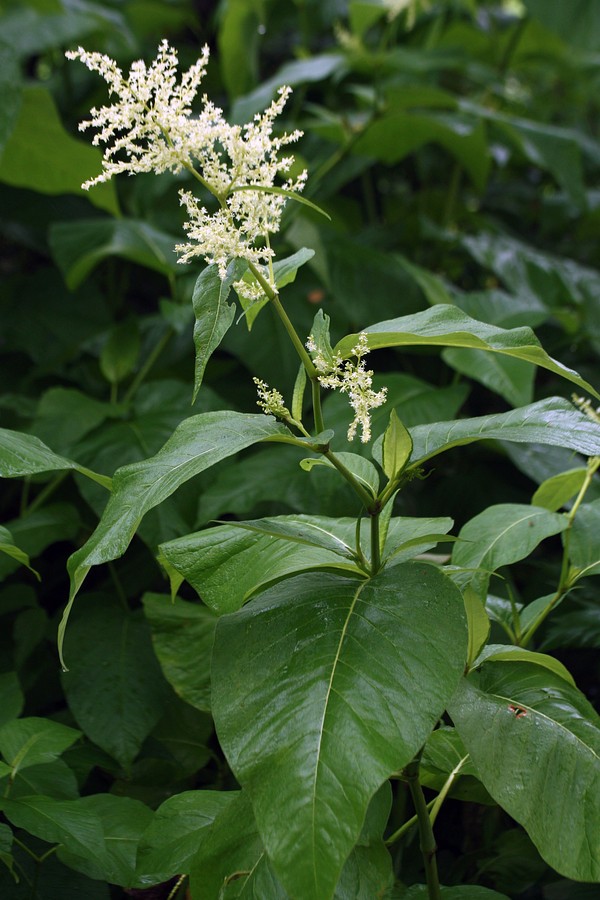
{"x":214,"y":315}
{"x":298,"y":394}
{"x":477,"y":621}
{"x":325,"y":707}
{"x":556,"y":491}
{"x":396,"y":448}
{"x":535,"y":741}
{"x":448,"y":326}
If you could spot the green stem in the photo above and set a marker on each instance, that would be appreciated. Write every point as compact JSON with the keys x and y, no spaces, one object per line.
{"x":352,"y":481}
{"x":46,"y":492}
{"x":406,"y":826}
{"x":427,"y":839}
{"x":375,"y":551}
{"x":152,"y":357}
{"x":317,"y":410}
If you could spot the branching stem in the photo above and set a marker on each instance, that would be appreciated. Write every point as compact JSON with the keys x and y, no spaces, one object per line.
{"x":427,"y":839}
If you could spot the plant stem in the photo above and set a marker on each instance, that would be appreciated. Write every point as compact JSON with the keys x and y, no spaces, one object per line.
{"x":352,"y":481}
{"x":151,"y":359}
{"x":427,"y":839}
{"x":375,"y":550}
{"x":406,"y":826}
{"x":46,"y":492}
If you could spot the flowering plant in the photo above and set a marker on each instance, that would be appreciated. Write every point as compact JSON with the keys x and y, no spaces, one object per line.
{"x":340,"y":658}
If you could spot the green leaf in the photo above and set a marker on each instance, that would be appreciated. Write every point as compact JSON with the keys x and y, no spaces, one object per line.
{"x":284,"y":272}
{"x":449,"y":326}
{"x":302,"y":530}
{"x":196,"y":444}
{"x":315,"y":705}
{"x":182,"y":636}
{"x":396,"y":448}
{"x":123,"y":822}
{"x":37,"y":530}
{"x":11,"y":89}
{"x":120,"y":352}
{"x":51,"y":779}
{"x":363,"y":470}
{"x":65,"y":415}
{"x":503,"y":534}
{"x":214,"y":315}
{"x":510,"y":378}
{"x":536,"y":757}
{"x":11,"y":697}
{"x":584,"y":544}
{"x":6,"y":842}
{"x":8,"y":546}
{"x":171,"y":840}
{"x":40,"y":155}
{"x":553,"y":421}
{"x":23,"y":454}
{"x":503,"y":653}
{"x":114,"y":688}
{"x":478,"y":623}
{"x":31,"y":741}
{"x":556,"y":491}
{"x":58,"y":822}
{"x":79,"y":246}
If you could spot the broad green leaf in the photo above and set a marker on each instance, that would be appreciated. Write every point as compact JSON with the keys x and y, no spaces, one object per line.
{"x":31,"y":741}
{"x":114,"y":688}
{"x":172,"y":838}
{"x":503,"y":653}
{"x":40,"y":155}
{"x":51,"y":779}
{"x":553,"y":421}
{"x":449,"y":326}
{"x":11,"y":87}
{"x":8,"y":546}
{"x":444,"y":751}
{"x":58,"y":822}
{"x":302,"y":530}
{"x":123,"y":822}
{"x":503,"y":534}
{"x":556,"y":491}
{"x":120,"y":352}
{"x":196,"y":444}
{"x":330,"y":673}
{"x":214,"y":315}
{"x":363,"y":470}
{"x":477,"y":621}
{"x":584,"y":544}
{"x":510,"y":378}
{"x":11,"y":697}
{"x":23,"y":454}
{"x":284,"y":272}
{"x":79,"y":246}
{"x":396,"y":447}
{"x":535,"y":741}
{"x":394,"y":135}
{"x":182,"y":636}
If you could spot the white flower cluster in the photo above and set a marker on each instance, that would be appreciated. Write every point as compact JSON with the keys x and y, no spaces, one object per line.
{"x":271,"y":400}
{"x":151,"y":128}
{"x":354,"y":379}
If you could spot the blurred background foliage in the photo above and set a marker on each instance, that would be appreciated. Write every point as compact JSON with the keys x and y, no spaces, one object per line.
{"x":454,"y":145}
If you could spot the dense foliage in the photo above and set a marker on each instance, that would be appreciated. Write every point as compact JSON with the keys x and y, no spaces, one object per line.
{"x":270,"y":669}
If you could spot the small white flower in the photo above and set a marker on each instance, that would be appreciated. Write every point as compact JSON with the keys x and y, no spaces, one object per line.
{"x":353,"y":379}
{"x":270,"y":400}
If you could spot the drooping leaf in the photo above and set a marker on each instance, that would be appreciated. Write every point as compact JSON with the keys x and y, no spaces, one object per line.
{"x":114,"y":687}
{"x":196,"y":444}
{"x":322,"y":683}
{"x":8,"y":546}
{"x":58,"y":822}
{"x":182,"y":636}
{"x":503,"y":534}
{"x":41,"y":156}
{"x":553,"y":421}
{"x":535,"y":741}
{"x":448,"y":326}
{"x":23,"y":454}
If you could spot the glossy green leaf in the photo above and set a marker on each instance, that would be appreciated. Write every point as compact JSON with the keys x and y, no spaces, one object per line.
{"x":114,"y":687}
{"x":214,"y":315}
{"x":8,"y":546}
{"x":196,"y":444}
{"x":396,"y":447}
{"x":553,"y":422}
{"x":58,"y":822}
{"x":322,"y":684}
{"x":50,"y":779}
{"x":123,"y":822}
{"x":284,"y":272}
{"x":11,"y":697}
{"x":535,"y":741}
{"x":171,"y":839}
{"x":78,"y":247}
{"x":477,"y":621}
{"x":120,"y":352}
{"x":556,"y":491}
{"x":363,"y":470}
{"x":503,"y":534}
{"x":31,"y":741}
{"x":448,"y":326}
{"x":499,"y":653}
{"x":23,"y":454}
{"x":182,"y":636}
{"x":584,"y":544}
{"x":302,"y":530}
{"x":40,"y":155}
{"x":510,"y":378}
